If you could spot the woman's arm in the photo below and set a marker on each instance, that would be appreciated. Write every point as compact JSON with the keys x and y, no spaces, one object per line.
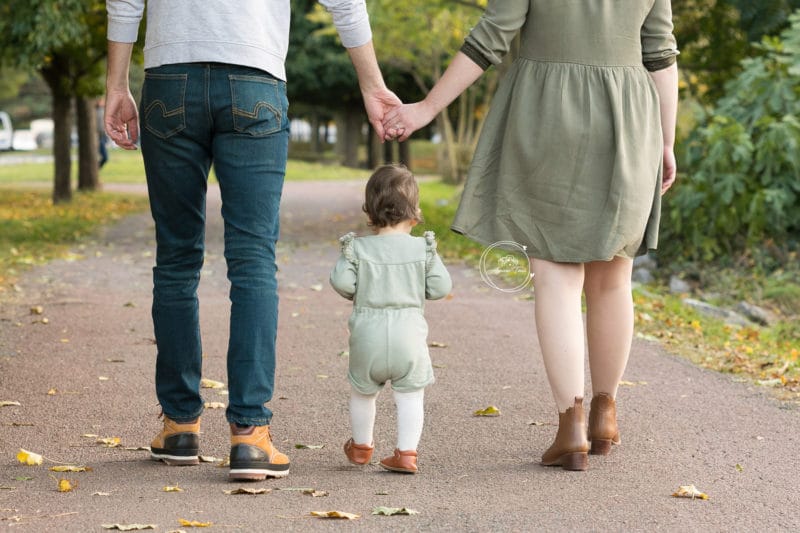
{"x":666,"y":81}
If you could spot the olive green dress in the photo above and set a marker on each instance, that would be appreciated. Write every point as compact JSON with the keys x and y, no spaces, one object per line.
{"x":569,"y":159}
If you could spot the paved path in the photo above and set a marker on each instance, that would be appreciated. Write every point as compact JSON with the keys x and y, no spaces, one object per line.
{"x":680,"y":424}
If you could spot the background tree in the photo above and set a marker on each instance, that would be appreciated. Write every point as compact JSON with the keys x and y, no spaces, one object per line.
{"x":64,"y":40}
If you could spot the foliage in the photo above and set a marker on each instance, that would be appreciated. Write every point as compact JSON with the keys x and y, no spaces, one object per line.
{"x":32,"y":231}
{"x":741,"y":189}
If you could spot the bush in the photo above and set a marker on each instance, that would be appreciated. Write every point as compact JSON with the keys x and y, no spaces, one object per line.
{"x":741,"y":187}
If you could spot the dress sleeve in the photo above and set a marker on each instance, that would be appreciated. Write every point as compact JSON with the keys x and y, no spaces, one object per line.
{"x":659,"y":47}
{"x":344,"y":275}
{"x":491,"y":37}
{"x":437,"y":280}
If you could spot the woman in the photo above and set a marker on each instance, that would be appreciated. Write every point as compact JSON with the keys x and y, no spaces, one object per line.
{"x":574,"y":155}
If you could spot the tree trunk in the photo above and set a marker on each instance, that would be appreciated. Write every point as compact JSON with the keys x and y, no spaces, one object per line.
{"x":405,"y":154}
{"x":388,"y":152}
{"x":348,"y":135}
{"x":374,"y":150}
{"x":62,"y":129}
{"x":88,"y":170}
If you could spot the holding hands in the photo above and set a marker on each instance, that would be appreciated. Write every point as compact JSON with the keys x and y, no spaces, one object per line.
{"x":403,"y":120}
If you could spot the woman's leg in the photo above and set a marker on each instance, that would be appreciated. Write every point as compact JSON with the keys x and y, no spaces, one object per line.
{"x":362,"y":416}
{"x":410,"y":418}
{"x":559,"y":324}
{"x":609,"y":321}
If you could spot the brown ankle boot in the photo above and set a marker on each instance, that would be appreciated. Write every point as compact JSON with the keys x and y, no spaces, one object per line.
{"x":603,"y":430}
{"x":570,"y":449}
{"x":402,"y":461}
{"x":358,"y":454}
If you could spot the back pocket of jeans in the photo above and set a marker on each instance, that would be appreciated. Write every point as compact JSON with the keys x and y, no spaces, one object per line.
{"x":256,"y":105}
{"x":163,"y":103}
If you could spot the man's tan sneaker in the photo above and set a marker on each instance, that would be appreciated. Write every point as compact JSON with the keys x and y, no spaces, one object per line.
{"x":177,"y":444}
{"x":253,"y":457}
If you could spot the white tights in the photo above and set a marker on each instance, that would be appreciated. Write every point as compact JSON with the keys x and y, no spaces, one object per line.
{"x":410,"y":417}
{"x":559,"y":324}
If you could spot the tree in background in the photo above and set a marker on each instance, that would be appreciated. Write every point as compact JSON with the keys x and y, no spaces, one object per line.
{"x":64,"y":40}
{"x":741,"y":186}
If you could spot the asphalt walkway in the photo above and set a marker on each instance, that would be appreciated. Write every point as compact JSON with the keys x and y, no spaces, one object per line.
{"x":87,"y":374}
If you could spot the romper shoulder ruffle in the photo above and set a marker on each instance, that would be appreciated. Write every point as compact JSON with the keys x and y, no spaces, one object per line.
{"x":430,"y":249}
{"x":347,"y":247}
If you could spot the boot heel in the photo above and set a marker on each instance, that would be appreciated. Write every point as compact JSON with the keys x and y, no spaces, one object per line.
{"x":575,"y":461}
{"x":600,"y":447}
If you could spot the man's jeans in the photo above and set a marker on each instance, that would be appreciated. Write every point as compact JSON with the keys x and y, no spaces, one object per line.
{"x":236,"y":117}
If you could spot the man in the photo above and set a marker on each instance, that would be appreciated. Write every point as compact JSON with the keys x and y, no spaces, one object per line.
{"x":215,"y":91}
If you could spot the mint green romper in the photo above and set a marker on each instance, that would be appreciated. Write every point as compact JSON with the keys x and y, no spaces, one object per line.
{"x":569,"y":159}
{"x":389,"y":277}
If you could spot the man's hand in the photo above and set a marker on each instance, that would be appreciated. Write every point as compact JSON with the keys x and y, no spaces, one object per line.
{"x":122,"y":119}
{"x":377,"y":103}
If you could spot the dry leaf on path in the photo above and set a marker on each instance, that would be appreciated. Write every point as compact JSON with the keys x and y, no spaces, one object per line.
{"x":489,"y":411}
{"x":70,"y":468}
{"x":194,"y":523}
{"x":436,"y":344}
{"x":241,"y":490}
{"x":316,"y":287}
{"x":29,"y":458}
{"x":632,"y":383}
{"x":109,"y":442}
{"x":214,"y":405}
{"x":206,"y":383}
{"x":335,"y":514}
{"x":128,"y":527}
{"x":37,"y":310}
{"x":101,"y":494}
{"x":314,"y":493}
{"x":172,"y":488}
{"x":391,"y":511}
{"x":9,"y":403}
{"x":309,"y":446}
{"x":208,"y":459}
{"x":65,"y":485}
{"x":690,"y":491}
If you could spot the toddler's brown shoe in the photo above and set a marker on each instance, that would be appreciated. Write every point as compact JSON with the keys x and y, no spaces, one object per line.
{"x":402,"y":461}
{"x":177,"y":444}
{"x":358,"y":454}
{"x":253,"y":457}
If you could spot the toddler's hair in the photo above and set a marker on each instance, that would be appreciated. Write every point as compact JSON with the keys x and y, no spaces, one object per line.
{"x":392,"y":196}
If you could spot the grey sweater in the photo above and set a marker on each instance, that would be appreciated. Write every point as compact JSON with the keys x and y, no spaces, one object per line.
{"x":253,"y":33}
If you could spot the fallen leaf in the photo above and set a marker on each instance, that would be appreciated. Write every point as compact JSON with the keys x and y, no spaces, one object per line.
{"x":136,"y":448}
{"x":295,"y":314}
{"x":194,"y":523}
{"x":70,"y":468}
{"x":109,"y":442}
{"x":344,"y":353}
{"x":173,"y":488}
{"x":211,"y":384}
{"x":208,"y":459}
{"x":322,"y":376}
{"x":128,"y":527}
{"x":391,"y":511}
{"x":489,"y":411}
{"x":129,"y":304}
{"x":309,"y":446}
{"x":739,"y":467}
{"x":435,"y":344}
{"x":632,"y":383}
{"x":437,"y":365}
{"x":29,"y":458}
{"x":102,"y":378}
{"x":101,"y":494}
{"x":65,"y":485}
{"x":23,"y":478}
{"x":37,"y":310}
{"x":9,"y":403}
{"x":115,"y":360}
{"x":314,"y":493}
{"x":247,"y":491}
{"x":316,"y":287}
{"x":381,"y":494}
{"x":214,"y":405}
{"x":690,"y":491}
{"x":90,"y":435}
{"x":335,"y":514}
{"x":52,"y":392}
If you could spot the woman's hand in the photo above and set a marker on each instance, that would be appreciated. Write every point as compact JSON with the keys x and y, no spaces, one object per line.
{"x":670,"y":169}
{"x":402,"y":121}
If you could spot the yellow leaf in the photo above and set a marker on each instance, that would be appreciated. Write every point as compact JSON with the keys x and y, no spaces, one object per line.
{"x":391,"y":511}
{"x":37,"y":310}
{"x":314,"y":493}
{"x":29,"y":458}
{"x":436,"y":344}
{"x":335,"y":514}
{"x":109,"y":442}
{"x":64,"y":485}
{"x":690,"y":491}
{"x":193,"y":523}
{"x":172,"y":489}
{"x":214,"y":405}
{"x":52,"y":392}
{"x":489,"y":411}
{"x":208,"y":459}
{"x":211,"y":384}
{"x":70,"y":468}
{"x":9,"y":403}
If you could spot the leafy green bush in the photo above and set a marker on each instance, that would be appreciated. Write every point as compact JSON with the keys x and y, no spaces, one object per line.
{"x":741,"y":187}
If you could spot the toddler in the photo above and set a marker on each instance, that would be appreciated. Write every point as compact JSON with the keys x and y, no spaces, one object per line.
{"x":389,"y":275}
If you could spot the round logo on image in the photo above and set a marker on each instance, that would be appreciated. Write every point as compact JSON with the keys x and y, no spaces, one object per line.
{"x":505,"y":266}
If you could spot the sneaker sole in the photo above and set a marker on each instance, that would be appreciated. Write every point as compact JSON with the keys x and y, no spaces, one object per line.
{"x":176,"y":460}
{"x":255,"y":474}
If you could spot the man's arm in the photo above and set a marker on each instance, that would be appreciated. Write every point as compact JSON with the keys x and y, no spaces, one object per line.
{"x":378,"y":99}
{"x":122,"y":117}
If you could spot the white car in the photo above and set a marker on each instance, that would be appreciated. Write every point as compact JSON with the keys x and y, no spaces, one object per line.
{"x":6,"y":132}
